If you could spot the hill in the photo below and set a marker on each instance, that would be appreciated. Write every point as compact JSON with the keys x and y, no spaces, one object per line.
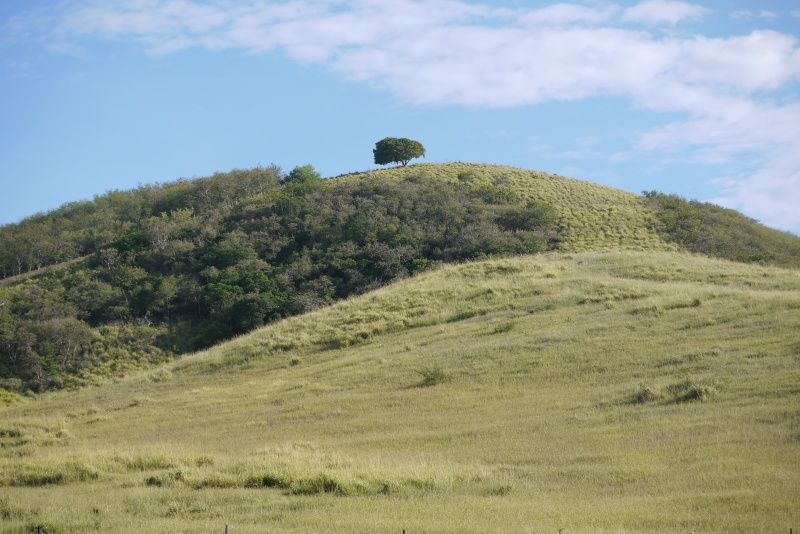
{"x":598,"y":392}
{"x":133,"y":279}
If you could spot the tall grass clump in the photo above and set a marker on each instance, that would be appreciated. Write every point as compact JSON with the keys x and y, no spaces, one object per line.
{"x":433,"y":376}
{"x":35,"y":473}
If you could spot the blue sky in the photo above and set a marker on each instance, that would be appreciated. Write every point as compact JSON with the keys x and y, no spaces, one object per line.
{"x":699,"y":98}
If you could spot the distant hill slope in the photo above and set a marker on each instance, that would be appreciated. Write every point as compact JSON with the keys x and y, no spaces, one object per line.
{"x":723,"y":233}
{"x":591,"y":216}
{"x":598,"y":217}
{"x":132,"y":279}
{"x":602,"y":392}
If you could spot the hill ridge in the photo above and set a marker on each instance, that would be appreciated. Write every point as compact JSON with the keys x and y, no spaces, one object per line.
{"x":617,"y":216}
{"x":174,"y":268}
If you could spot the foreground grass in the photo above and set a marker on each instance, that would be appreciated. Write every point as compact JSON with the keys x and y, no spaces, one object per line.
{"x":594,"y":392}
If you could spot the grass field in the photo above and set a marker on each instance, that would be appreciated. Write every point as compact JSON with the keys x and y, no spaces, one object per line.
{"x":593,"y":392}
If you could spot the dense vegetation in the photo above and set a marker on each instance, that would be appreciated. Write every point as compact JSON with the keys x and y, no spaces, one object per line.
{"x":132,"y":278}
{"x":81,"y":228}
{"x":705,"y":228}
{"x":178,"y":267}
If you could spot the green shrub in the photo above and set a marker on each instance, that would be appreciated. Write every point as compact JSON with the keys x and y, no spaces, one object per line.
{"x":302,"y":173}
{"x":432,"y":376}
{"x":320,"y":483}
{"x":166,"y":479}
{"x":689,"y":391}
{"x":646,"y":394}
{"x":11,"y":384}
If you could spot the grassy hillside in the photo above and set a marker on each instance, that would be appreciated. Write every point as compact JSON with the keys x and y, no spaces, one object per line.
{"x":597,"y":217}
{"x":134,"y":279}
{"x":591,"y":392}
{"x":185,"y":278}
{"x":719,"y":232}
{"x":592,"y":216}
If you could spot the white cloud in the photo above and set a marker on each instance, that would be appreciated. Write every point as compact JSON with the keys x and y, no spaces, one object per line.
{"x":766,"y":136}
{"x":747,"y":14}
{"x":771,"y":194}
{"x":449,"y":51}
{"x":662,"y":11}
{"x":454,"y":52}
{"x":564,"y":14}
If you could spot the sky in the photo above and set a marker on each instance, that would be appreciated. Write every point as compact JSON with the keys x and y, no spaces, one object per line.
{"x":701,"y":99}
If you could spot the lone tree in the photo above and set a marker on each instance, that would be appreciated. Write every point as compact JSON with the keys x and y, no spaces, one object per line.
{"x":397,"y":150}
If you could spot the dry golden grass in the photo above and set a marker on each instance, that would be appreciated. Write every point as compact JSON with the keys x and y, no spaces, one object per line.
{"x":593,"y":392}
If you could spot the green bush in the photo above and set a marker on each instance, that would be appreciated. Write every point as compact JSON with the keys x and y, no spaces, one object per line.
{"x":302,"y":173}
{"x":433,"y":376}
{"x":646,"y":394}
{"x":689,"y":391}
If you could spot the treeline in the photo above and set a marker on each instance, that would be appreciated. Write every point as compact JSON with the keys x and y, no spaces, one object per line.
{"x":77,"y":229}
{"x":179,"y":267}
{"x":709,"y":229}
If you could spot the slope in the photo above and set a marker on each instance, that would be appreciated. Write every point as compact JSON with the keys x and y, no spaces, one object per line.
{"x":591,"y":216}
{"x":591,"y":392}
{"x":173,"y":268}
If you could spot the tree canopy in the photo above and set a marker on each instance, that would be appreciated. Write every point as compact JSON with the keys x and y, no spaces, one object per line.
{"x":302,"y":173}
{"x":397,"y":150}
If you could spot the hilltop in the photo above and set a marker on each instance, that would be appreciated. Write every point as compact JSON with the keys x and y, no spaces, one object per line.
{"x":136,"y":278}
{"x":617,"y":391}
